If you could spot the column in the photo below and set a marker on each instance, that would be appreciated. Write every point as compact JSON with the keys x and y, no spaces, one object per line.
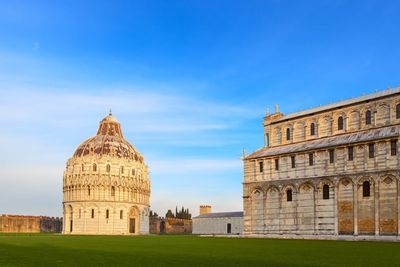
{"x":335,"y":201}
{"x":315,"y":208}
{"x":355,"y":208}
{"x":376,"y":201}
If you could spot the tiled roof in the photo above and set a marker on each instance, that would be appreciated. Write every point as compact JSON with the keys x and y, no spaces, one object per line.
{"x":221,"y":214}
{"x":344,"y":139}
{"x":379,"y":94}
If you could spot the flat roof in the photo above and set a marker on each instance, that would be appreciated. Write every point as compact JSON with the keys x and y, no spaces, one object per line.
{"x":380,"y":94}
{"x":221,"y":214}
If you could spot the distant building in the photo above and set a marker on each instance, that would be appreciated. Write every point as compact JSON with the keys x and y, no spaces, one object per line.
{"x":217,"y":223}
{"x":331,"y":170}
{"x":106,"y":185}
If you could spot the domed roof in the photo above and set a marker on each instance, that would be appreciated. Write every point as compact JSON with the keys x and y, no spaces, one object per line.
{"x":109,"y":141}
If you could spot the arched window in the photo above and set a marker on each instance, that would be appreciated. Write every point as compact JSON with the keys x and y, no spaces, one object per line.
{"x":398,"y":111}
{"x":340,"y":123}
{"x":83,"y":167}
{"x":107,"y":214}
{"x":366,"y":189}
{"x":121,"y":214}
{"x":133,"y":172}
{"x":368,"y":118}
{"x":88,"y":191}
{"x":325,"y":191}
{"x":288,"y":134}
{"x":112,"y":191}
{"x":289,"y":195}
{"x":92,"y":213}
{"x":122,"y":169}
{"x":108,"y":168}
{"x":94,"y":167}
{"x":312,"y":129}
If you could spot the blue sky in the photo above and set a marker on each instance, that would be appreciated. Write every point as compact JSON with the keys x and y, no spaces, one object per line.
{"x":190,"y":82}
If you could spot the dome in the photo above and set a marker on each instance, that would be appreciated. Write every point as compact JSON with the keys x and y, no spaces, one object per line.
{"x":106,"y":185}
{"x":109,"y":141}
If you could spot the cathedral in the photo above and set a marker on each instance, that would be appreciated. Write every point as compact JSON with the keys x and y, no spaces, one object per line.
{"x":106,"y":186}
{"x":328,"y":171}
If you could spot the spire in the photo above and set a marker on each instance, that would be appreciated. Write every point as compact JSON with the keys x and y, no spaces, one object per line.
{"x":110,"y":113}
{"x":276,"y":108}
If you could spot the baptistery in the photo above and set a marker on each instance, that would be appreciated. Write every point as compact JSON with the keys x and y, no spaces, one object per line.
{"x":106,"y":185}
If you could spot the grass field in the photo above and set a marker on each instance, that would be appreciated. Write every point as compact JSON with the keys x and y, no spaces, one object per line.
{"x":58,"y":250}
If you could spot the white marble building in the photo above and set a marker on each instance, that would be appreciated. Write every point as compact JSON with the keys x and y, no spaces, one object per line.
{"x":328,"y":171}
{"x":106,"y":186}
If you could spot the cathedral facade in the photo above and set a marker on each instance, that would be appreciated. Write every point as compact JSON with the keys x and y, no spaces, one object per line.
{"x":329,"y":171}
{"x":106,"y":186}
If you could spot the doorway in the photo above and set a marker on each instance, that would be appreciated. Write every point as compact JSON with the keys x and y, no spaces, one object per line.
{"x":229,"y":228}
{"x":162,"y":227}
{"x":132,"y":223}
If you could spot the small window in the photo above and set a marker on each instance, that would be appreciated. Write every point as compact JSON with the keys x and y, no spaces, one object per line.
{"x":267,"y":139}
{"x":121,"y":214}
{"x":289,"y":195}
{"x":122,"y":169}
{"x":325,"y":191}
{"x":371,"y":151}
{"x":366,"y":189}
{"x":277,"y":164}
{"x":112,"y":191}
{"x":88,"y":191}
{"x":108,"y":168}
{"x":398,"y":111}
{"x":340,"y":123}
{"x":83,"y":167}
{"x":92,"y":213}
{"x":311,"y":159}
{"x":288,"y":134}
{"x":261,"y":165}
{"x":107,"y":214}
{"x":368,"y":118}
{"x":331,"y":156}
{"x":393,"y":147}
{"x":293,"y":159}
{"x":133,"y":172}
{"x":350,"y":153}
{"x":312,"y":129}
{"x":94,"y":167}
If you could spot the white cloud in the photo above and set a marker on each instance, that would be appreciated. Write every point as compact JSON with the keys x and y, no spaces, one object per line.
{"x":41,"y":128}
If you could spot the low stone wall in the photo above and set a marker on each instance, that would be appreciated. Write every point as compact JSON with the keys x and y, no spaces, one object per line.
{"x":160,"y":225}
{"x":30,"y":224}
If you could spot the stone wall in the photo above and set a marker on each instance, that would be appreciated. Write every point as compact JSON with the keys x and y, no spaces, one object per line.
{"x":159,"y":225}
{"x":30,"y":224}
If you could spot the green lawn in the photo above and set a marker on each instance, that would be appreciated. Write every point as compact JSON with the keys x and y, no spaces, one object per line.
{"x":58,"y":250}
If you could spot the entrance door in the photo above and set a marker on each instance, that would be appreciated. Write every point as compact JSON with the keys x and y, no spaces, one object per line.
{"x":70,"y":226}
{"x":162,"y":227}
{"x":228,"y":228}
{"x":132,"y":226}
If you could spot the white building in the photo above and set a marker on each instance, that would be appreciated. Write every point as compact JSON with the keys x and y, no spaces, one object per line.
{"x":218,"y":223}
{"x":106,"y":186}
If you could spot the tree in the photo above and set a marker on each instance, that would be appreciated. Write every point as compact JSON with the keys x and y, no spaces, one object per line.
{"x":169,"y":214}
